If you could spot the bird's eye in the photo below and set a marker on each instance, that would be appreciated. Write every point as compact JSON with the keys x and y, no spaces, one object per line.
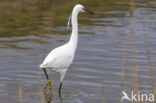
{"x":83,"y":8}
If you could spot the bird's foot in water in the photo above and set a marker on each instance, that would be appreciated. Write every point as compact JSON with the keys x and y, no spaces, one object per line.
{"x":48,"y":83}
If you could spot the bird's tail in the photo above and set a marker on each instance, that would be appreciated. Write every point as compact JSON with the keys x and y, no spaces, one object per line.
{"x":41,"y":66}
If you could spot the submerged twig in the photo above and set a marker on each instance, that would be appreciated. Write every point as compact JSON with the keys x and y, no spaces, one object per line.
{"x":102,"y":93}
{"x":123,"y":69}
{"x":21,"y":91}
{"x":135,"y":80}
{"x":149,"y":59}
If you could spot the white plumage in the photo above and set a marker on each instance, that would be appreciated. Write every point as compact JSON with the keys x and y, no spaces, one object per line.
{"x":59,"y":59}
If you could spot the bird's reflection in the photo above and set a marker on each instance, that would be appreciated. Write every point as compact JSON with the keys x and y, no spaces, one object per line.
{"x":47,"y":96}
{"x":60,"y":97}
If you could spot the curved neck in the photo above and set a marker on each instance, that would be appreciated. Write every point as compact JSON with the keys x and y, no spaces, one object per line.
{"x":74,"y":35}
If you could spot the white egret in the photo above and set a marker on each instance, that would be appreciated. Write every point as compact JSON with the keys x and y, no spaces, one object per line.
{"x":59,"y":59}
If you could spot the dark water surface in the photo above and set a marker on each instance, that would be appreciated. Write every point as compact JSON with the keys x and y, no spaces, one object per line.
{"x":31,"y":29}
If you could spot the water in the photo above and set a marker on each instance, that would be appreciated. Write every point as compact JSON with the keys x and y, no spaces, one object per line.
{"x":29,"y":30}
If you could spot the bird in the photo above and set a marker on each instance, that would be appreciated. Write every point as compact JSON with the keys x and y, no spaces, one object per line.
{"x":60,"y":58}
{"x":125,"y":96}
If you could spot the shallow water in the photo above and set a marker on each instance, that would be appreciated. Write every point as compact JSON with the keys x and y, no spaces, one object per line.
{"x":29,"y":30}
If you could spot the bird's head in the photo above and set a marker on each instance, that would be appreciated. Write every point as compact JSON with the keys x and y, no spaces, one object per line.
{"x":78,"y":8}
{"x":81,"y":8}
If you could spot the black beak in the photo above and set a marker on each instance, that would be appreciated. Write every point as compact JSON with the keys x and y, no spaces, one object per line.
{"x":88,"y":11}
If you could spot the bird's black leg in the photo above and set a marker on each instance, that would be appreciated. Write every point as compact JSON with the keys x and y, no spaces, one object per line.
{"x":45,"y":73}
{"x":48,"y":80}
{"x":60,"y":89}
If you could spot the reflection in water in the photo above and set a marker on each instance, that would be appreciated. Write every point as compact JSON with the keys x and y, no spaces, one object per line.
{"x":47,"y":96}
{"x":60,"y":97}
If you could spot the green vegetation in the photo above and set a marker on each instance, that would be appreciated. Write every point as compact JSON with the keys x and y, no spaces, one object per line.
{"x":35,"y":17}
